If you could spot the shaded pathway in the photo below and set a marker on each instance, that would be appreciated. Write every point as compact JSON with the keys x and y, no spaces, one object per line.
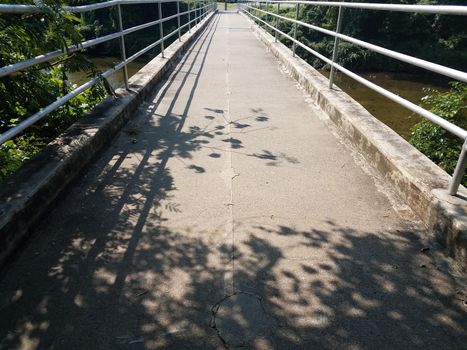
{"x":227,"y":214}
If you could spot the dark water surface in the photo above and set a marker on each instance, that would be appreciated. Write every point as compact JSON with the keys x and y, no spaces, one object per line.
{"x":410,"y":86}
{"x":104,"y":63}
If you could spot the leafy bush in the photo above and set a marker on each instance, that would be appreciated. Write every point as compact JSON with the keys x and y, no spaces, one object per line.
{"x":25,"y":92}
{"x":14,"y":153}
{"x":439,"y":145}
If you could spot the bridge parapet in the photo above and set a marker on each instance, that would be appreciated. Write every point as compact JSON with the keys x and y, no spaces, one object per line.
{"x":29,"y":193}
{"x":197,"y":10}
{"x":416,"y":179}
{"x":254,"y":8}
{"x":423,"y":187}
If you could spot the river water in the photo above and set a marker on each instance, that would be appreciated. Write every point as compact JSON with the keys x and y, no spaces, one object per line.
{"x":409,"y":86}
{"x":104,"y":63}
{"x":398,"y":118}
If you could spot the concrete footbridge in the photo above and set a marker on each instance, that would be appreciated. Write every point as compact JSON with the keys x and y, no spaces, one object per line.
{"x":230,"y":198}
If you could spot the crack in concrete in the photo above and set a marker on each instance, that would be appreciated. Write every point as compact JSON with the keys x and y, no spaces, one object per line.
{"x":215,"y":308}
{"x":230,"y":174}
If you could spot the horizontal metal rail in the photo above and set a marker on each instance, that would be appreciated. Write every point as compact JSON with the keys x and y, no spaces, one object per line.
{"x":433,"y":9}
{"x":19,"y":66}
{"x":7,"y":8}
{"x":200,"y":12}
{"x":452,"y":73}
{"x":436,"y":68}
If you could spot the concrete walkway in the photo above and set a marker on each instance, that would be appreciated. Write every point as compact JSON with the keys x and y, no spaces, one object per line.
{"x":227,"y":214}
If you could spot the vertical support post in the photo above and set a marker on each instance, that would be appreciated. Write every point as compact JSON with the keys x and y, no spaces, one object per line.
{"x":122,"y":46}
{"x":161,"y":29}
{"x":336,"y":46}
{"x":297,"y":9}
{"x":189,"y":17}
{"x":178,"y":21}
{"x":258,"y":14}
{"x":277,"y":22}
{"x":225,"y":5}
{"x":459,"y":171}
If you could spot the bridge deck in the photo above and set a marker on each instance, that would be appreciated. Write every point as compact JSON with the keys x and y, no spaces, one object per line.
{"x":227,"y":181}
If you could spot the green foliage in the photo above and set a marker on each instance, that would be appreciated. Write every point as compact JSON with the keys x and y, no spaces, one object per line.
{"x":14,"y":153}
{"x":439,"y":145}
{"x":26,"y":92}
{"x":23,"y":36}
{"x":438,"y":38}
{"x":104,"y":21}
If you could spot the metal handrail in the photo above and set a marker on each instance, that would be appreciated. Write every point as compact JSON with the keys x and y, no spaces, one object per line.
{"x":437,"y":68}
{"x":434,"y":9}
{"x":209,"y":6}
{"x":7,"y":8}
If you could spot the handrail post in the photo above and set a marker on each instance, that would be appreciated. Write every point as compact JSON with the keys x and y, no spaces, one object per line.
{"x":297,"y":9}
{"x":459,"y":171}
{"x":266,"y":18}
{"x":258,"y":13}
{"x":277,"y":22}
{"x":122,"y":46}
{"x":336,"y":47}
{"x":195,"y":9}
{"x":161,"y":29}
{"x":189,"y":17}
{"x":178,"y":21}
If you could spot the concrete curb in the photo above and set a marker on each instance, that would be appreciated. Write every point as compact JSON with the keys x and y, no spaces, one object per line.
{"x":416,"y":179}
{"x":28,"y":194}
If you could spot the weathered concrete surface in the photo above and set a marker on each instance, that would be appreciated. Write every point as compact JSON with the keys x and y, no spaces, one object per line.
{"x":417,"y":180}
{"x":240,"y":319}
{"x":228,"y":181}
{"x":28,"y":194}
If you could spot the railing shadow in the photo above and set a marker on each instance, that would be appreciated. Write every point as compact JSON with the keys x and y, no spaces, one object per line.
{"x":112,"y":274}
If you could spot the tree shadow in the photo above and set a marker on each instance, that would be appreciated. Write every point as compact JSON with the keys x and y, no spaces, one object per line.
{"x":105,"y":270}
{"x":329,"y":288}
